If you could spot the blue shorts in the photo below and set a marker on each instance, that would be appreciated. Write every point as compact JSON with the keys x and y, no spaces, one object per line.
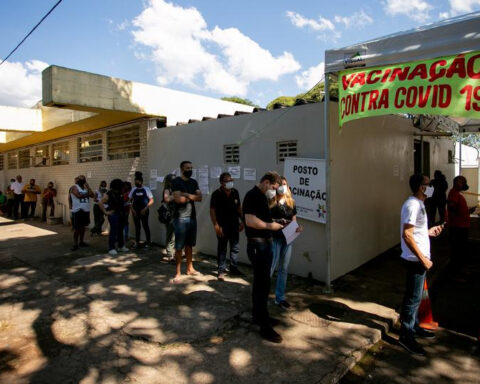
{"x":185,"y":232}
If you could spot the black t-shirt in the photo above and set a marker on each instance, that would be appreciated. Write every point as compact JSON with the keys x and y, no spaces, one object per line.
{"x":282,"y":211}
{"x":115,"y":201}
{"x":187,"y":186}
{"x":255,"y":203}
{"x":226,"y":209}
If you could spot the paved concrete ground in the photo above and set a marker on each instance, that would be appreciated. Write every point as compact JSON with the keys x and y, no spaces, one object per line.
{"x":86,"y":317}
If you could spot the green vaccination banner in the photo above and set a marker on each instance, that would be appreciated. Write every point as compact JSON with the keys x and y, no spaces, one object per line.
{"x":443,"y":86}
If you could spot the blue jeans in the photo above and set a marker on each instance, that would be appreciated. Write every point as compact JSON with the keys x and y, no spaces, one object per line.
{"x":260,"y":255}
{"x":416,"y":273}
{"x":281,"y":257}
{"x":222,"y":251}
{"x":117,"y":222}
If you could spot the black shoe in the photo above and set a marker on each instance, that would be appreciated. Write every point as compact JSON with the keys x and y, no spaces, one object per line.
{"x":283,"y":304}
{"x":83,"y":244}
{"x":424,"y":333}
{"x":236,"y":272}
{"x":411,"y":345}
{"x":268,"y":333}
{"x":74,"y":248}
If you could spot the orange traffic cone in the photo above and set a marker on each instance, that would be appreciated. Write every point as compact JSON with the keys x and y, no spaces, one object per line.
{"x":425,"y":316}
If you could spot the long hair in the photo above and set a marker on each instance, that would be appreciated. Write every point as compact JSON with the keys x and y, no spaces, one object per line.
{"x":289,"y":201}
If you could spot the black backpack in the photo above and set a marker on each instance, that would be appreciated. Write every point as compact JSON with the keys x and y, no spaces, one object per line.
{"x":164,"y":214}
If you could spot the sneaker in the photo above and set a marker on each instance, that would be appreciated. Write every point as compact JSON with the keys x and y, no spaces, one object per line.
{"x":221,"y":277}
{"x":236,"y":272}
{"x":268,"y":333}
{"x":411,"y":345}
{"x":283,"y":304}
{"x":124,"y":249}
{"x":74,"y":248}
{"x":424,"y":333}
{"x":83,"y":244}
{"x":113,"y":252}
{"x":147,"y":245}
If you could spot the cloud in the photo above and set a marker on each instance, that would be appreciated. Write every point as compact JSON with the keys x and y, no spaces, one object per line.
{"x":307,"y":79}
{"x":21,"y":83}
{"x":417,"y":10}
{"x":185,"y":51}
{"x":458,"y":7}
{"x":357,"y":20}
{"x":300,"y":21}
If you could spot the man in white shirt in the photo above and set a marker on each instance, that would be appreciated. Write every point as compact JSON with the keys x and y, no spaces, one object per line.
{"x":415,"y":244}
{"x":18,"y":195}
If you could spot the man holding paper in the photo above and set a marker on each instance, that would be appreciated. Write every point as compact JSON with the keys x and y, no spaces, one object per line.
{"x":258,"y":228}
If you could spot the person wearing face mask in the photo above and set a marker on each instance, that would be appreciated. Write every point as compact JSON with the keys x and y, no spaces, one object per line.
{"x":458,"y":220}
{"x":142,"y":199}
{"x":98,"y":216}
{"x":226,"y":214}
{"x":80,"y":195}
{"x":48,"y":195}
{"x":258,"y":229}
{"x":31,"y":190}
{"x":185,"y":193}
{"x":415,"y":256}
{"x":283,"y":211}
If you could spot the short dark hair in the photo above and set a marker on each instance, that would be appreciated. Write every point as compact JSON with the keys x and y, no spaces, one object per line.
{"x":272,"y":176}
{"x":116,"y":184}
{"x":456,"y":178}
{"x":416,"y":181}
{"x":223,"y":176}
{"x":184,"y":162}
{"x":139,"y":176}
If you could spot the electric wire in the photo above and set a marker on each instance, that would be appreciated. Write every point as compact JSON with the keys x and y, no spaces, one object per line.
{"x":29,"y":33}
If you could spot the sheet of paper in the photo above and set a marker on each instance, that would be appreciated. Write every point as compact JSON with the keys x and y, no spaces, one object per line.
{"x":290,"y":232}
{"x":215,"y":172}
{"x":153,"y":184}
{"x":160,"y":179}
{"x":194,"y":173}
{"x":249,"y":174}
{"x":153,"y":173}
{"x":235,"y":172}
{"x":89,"y":174}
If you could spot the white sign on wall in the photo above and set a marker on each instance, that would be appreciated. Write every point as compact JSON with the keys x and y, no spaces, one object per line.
{"x":307,"y":180}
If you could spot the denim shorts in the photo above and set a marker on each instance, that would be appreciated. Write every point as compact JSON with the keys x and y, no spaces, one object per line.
{"x":185,"y":232}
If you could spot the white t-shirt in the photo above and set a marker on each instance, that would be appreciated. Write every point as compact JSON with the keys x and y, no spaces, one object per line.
{"x":82,"y":203}
{"x":17,"y":187}
{"x":413,"y":212}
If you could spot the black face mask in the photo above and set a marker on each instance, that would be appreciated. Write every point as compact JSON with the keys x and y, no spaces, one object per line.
{"x":81,"y":182}
{"x":465,"y":187}
{"x":187,"y":174}
{"x":138,"y":185}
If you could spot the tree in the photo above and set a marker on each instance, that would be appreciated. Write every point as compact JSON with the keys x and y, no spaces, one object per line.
{"x":239,"y":100}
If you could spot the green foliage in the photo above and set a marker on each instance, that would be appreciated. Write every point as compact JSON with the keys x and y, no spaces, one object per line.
{"x":314,"y":95}
{"x":239,"y":100}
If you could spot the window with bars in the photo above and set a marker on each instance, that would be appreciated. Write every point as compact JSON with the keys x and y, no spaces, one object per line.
{"x":90,"y":148}
{"x":231,"y":154}
{"x":286,"y":149}
{"x":24,"y":158}
{"x":2,"y":164}
{"x":61,"y":153}
{"x":12,"y":162}
{"x":123,"y":143}
{"x":41,"y":156}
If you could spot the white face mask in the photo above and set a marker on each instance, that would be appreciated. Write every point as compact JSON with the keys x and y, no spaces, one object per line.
{"x":270,"y":194}
{"x":229,"y":185}
{"x":429,"y":191}
{"x":282,"y":189}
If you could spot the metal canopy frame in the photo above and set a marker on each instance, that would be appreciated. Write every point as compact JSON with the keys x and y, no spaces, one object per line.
{"x":448,"y":37}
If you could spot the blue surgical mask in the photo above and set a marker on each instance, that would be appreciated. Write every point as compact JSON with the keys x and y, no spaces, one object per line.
{"x":229,"y":185}
{"x":429,"y":191}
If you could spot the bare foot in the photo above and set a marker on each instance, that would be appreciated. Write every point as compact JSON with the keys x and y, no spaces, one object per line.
{"x":176,"y":279}
{"x":193,"y":272}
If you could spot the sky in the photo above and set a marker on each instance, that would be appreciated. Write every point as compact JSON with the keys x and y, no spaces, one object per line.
{"x":252,"y":49}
